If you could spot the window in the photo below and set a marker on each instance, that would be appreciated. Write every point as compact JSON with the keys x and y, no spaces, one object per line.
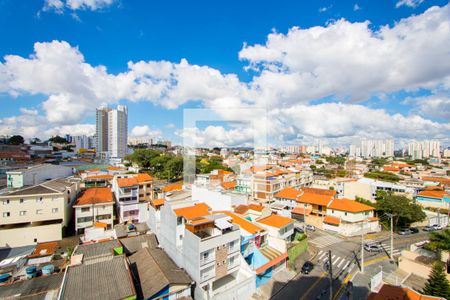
{"x":39,"y":211}
{"x":205,"y":255}
{"x":54,"y":210}
{"x":21,"y":200}
{"x":22,"y":213}
{"x":35,"y":240}
{"x":5,"y":201}
{"x":366,"y":213}
{"x":181,"y":237}
{"x":85,"y":209}
{"x":179,"y":220}
{"x":345,"y":213}
{"x":231,"y":262}
{"x":39,"y":200}
{"x":6,"y":214}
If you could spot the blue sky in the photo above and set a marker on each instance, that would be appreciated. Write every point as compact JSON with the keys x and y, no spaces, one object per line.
{"x":212,"y":34}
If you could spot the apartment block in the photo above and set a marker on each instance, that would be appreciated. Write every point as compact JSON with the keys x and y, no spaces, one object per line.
{"x":94,"y":207}
{"x":112,"y":132}
{"x":36,"y":214}
{"x":133,"y":193}
{"x":207,"y":246}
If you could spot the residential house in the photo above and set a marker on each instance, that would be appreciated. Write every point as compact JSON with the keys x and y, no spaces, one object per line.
{"x":207,"y":246}
{"x":158,"y":277}
{"x":95,"y":207}
{"x":433,"y":197}
{"x":349,"y":217}
{"x":133,"y":193}
{"x":252,"y":211}
{"x":278,"y":226}
{"x":37,"y":213}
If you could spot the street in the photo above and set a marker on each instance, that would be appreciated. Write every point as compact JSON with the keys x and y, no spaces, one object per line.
{"x":346,"y":260}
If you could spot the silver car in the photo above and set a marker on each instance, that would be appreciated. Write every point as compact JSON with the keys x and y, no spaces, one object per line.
{"x":373,"y":248}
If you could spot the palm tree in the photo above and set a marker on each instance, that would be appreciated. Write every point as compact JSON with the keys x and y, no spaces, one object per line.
{"x":440,"y":240}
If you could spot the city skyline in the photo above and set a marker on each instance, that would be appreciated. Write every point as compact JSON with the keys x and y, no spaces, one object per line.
{"x":310,"y":93}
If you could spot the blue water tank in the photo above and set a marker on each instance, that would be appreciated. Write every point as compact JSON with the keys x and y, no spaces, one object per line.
{"x":31,"y":272}
{"x":48,"y":269}
{"x":4,"y":277}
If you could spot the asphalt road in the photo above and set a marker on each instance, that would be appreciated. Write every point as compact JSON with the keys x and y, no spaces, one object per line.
{"x":346,"y":259}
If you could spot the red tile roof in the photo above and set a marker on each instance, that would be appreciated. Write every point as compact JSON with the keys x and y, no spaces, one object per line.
{"x":300,"y":210}
{"x":256,"y":207}
{"x":99,"y":177}
{"x":143,"y":177}
{"x":192,"y":212}
{"x":439,"y":194}
{"x":315,"y":199}
{"x":228,"y":185}
{"x":44,"y":249}
{"x":392,"y":292}
{"x":319,"y":191}
{"x":127,"y":182}
{"x":276,"y":221}
{"x":332,"y":220}
{"x":349,"y":206}
{"x":158,"y":202}
{"x":172,"y":187}
{"x":288,"y":193}
{"x":241,"y":209}
{"x":94,"y":196}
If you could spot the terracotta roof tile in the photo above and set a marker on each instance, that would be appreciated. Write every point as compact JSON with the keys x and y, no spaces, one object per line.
{"x":158,"y":202}
{"x":95,"y":196}
{"x":300,"y":210}
{"x":127,"y":182}
{"x":192,"y":212}
{"x":332,"y":220}
{"x":228,"y":185}
{"x":256,"y":207}
{"x":349,"y":206}
{"x":248,"y":226}
{"x":172,"y":187}
{"x":288,"y":193}
{"x":315,"y":199}
{"x":276,"y":221}
{"x":44,"y":249}
{"x":143,"y":177}
{"x":319,"y":191}
{"x":433,"y":194}
{"x":99,"y":177}
{"x":241,"y":209}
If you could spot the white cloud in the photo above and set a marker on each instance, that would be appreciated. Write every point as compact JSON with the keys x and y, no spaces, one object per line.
{"x":351,"y":61}
{"x":342,"y":60}
{"x":59,"y":5}
{"x":356,"y":7}
{"x":76,"y":129}
{"x":27,"y":111}
{"x":216,"y":136}
{"x":170,"y":125}
{"x":435,"y":106}
{"x":325,"y":8}
{"x":145,"y":131}
{"x":409,"y":3}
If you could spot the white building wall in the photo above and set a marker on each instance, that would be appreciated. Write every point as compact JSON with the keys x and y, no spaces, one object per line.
{"x":24,"y":236}
{"x":36,"y":175}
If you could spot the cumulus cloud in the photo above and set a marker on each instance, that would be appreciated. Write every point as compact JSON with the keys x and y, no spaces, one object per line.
{"x":145,"y":131}
{"x":342,"y":61}
{"x":59,"y":5}
{"x":216,"y":136}
{"x":409,"y":3}
{"x":435,"y":106}
{"x":356,"y":7}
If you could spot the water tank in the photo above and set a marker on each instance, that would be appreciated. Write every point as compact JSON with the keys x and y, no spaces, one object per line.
{"x":4,"y":277}
{"x":48,"y":269}
{"x":31,"y":272}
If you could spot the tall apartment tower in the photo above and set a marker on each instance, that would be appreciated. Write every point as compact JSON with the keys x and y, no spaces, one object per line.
{"x":112,"y":132}
{"x":102,"y":130}
{"x":118,"y":132}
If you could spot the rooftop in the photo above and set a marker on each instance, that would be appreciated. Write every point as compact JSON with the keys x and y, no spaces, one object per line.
{"x":243,"y":223}
{"x":127,"y":182}
{"x":349,"y":206}
{"x":192,"y":212}
{"x":288,"y":193}
{"x":107,"y":279}
{"x":42,"y":287}
{"x":276,"y":221}
{"x":94,"y":196}
{"x":439,"y":194}
{"x":102,"y":249}
{"x":316,"y":199}
{"x":172,"y":187}
{"x":135,"y":243}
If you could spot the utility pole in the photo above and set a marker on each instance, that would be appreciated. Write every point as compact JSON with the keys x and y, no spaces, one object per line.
{"x":362,"y":246}
{"x":330,"y":273}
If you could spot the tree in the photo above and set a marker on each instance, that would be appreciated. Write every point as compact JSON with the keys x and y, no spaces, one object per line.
{"x":437,"y":283}
{"x":384,"y":176}
{"x":404,"y":211}
{"x":57,"y":140}
{"x":439,"y":240}
{"x":16,"y":140}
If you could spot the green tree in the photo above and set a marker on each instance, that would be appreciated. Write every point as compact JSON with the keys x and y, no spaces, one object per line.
{"x":384,"y":176}
{"x":143,"y":157}
{"x":174,"y":168}
{"x":404,"y":211}
{"x":16,"y":140}
{"x":439,"y":240}
{"x":58,"y":140}
{"x":437,"y":283}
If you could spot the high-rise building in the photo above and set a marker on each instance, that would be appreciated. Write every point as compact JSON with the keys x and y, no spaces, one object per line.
{"x":112,"y":132}
{"x":373,"y":148}
{"x":424,"y":149}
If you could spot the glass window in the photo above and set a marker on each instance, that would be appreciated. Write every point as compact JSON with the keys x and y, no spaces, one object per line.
{"x":6,"y":214}
{"x":54,"y":210}
{"x":39,"y":211}
{"x":21,"y":200}
{"x":6,"y":201}
{"x":22,"y":213}
{"x":85,"y":209}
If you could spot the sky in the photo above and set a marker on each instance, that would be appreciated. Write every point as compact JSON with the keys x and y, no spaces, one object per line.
{"x":296,"y":71}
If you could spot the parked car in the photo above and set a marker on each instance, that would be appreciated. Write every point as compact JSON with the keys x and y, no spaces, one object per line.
{"x":429,"y":228}
{"x":310,"y":228}
{"x":373,"y":248}
{"x":307,"y":267}
{"x":414,"y":229}
{"x":437,"y":226}
{"x":404,"y":231}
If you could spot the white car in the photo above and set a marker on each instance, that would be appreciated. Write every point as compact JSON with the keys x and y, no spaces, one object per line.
{"x":373,"y":248}
{"x":437,"y":226}
{"x":310,"y":228}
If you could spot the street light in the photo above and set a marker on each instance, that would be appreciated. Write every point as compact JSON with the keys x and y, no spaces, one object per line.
{"x":392,"y":235}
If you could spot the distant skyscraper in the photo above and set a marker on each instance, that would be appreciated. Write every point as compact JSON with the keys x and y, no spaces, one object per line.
{"x":373,"y":148}
{"x":112,"y":132}
{"x":424,"y":149}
